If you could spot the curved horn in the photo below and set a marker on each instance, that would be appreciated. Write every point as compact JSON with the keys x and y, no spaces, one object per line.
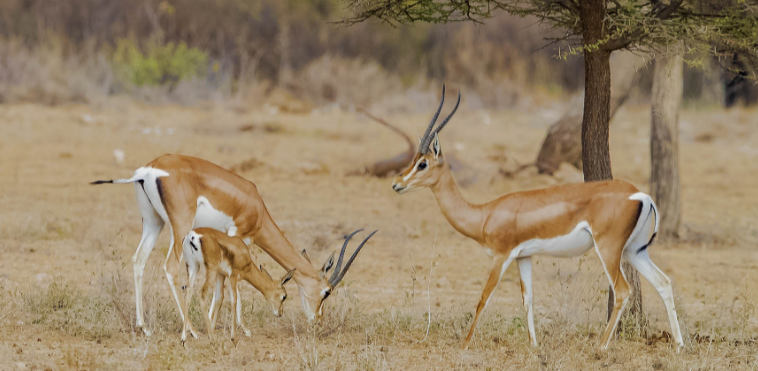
{"x":423,"y":147}
{"x":349,"y":262}
{"x":337,"y":268}
{"x":444,"y":122}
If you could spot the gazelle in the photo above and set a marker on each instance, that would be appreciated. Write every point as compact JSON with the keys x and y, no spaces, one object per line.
{"x":227,"y":257}
{"x":612,"y":217}
{"x":187,"y":193}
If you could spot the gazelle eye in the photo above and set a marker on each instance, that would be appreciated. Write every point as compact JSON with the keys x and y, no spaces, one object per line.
{"x":421,"y":166}
{"x":326,"y":294}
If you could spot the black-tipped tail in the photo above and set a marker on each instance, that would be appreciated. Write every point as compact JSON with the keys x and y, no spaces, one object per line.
{"x":102,"y":182}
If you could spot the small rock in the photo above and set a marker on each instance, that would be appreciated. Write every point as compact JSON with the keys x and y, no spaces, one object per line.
{"x":20,"y":366}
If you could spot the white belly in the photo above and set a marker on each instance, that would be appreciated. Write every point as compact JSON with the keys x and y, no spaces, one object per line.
{"x":207,"y":216}
{"x":575,"y":243}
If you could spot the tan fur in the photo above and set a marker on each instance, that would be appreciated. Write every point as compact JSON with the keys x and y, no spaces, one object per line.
{"x":190,"y":177}
{"x":218,"y":249}
{"x":508,"y":221}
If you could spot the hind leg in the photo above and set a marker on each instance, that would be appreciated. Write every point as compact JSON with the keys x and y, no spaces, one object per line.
{"x":609,"y":250}
{"x":642,"y":263}
{"x":218,"y":298}
{"x":180,"y":227}
{"x":525,"y":273}
{"x":238,"y":309}
{"x":152,"y":225}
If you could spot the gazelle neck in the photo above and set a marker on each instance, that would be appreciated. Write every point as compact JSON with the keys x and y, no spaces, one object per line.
{"x":273,"y":242}
{"x":466,"y":218}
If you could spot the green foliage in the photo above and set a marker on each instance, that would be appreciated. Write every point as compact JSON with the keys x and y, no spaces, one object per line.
{"x":164,"y":64}
{"x":710,"y":25}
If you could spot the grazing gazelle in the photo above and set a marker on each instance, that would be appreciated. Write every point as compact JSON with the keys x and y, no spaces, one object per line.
{"x":227,"y":257}
{"x":187,"y":193}
{"x":612,"y":217}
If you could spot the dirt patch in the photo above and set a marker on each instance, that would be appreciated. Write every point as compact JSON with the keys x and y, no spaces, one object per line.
{"x":66,"y":281}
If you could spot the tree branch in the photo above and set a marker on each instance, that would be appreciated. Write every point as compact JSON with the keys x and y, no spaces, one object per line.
{"x":624,"y":41}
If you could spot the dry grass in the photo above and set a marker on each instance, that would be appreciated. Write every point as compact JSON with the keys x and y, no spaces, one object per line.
{"x":66,"y":287}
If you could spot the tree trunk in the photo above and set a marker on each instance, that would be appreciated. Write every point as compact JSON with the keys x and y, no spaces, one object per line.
{"x":596,"y":157}
{"x":664,"y":142}
{"x":563,"y":142}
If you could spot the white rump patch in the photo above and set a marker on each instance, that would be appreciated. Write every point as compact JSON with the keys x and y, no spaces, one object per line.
{"x":207,"y":216}
{"x":192,"y":249}
{"x":149,"y":176}
{"x":575,"y":243}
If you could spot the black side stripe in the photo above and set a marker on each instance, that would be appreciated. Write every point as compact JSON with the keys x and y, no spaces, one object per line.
{"x":142,"y":184}
{"x":644,"y":247}
{"x":193,"y":245}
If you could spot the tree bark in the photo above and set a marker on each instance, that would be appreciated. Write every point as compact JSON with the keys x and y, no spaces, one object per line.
{"x":664,"y":142}
{"x":596,"y":157}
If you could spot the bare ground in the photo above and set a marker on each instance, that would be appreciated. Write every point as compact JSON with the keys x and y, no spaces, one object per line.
{"x":65,"y":271}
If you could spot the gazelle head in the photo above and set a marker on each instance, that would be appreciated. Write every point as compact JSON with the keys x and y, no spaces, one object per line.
{"x":427,"y":166}
{"x":313,"y":293}
{"x":275,"y":294}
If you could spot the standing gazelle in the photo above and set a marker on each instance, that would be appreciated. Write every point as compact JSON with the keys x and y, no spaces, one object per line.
{"x":187,"y":193}
{"x":612,"y":217}
{"x":226,"y":257}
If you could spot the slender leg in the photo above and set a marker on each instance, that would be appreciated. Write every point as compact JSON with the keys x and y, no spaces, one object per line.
{"x":218,"y":298}
{"x":525,"y":273}
{"x":192,"y":273}
{"x":642,"y":263}
{"x":499,"y":265}
{"x":610,"y":256}
{"x":172,"y":265}
{"x":152,"y":225}
{"x":239,"y":312}
{"x":233,"y":285}
{"x":209,"y":328}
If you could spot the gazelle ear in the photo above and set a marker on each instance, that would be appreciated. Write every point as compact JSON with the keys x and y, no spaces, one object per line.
{"x":436,"y":149}
{"x":305,"y":255}
{"x":419,"y":139}
{"x":287,"y":276}
{"x":265,"y":271}
{"x":328,"y":265}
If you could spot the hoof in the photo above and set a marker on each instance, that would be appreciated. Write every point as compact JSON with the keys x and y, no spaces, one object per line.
{"x":145,"y":331}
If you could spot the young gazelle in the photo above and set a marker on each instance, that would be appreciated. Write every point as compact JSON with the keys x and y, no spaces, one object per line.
{"x":613,"y":217}
{"x":227,"y":257}
{"x":187,"y":193}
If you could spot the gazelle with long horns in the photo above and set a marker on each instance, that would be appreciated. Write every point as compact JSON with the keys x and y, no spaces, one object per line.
{"x":612,"y":217}
{"x":187,"y":193}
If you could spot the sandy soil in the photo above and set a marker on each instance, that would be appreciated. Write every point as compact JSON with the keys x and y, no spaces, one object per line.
{"x":58,"y":231}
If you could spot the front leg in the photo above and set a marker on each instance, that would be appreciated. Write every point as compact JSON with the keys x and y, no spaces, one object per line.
{"x":239,"y":312}
{"x":525,"y":273}
{"x":499,"y":265}
{"x":218,"y":299}
{"x":192,"y":274}
{"x":233,"y":286}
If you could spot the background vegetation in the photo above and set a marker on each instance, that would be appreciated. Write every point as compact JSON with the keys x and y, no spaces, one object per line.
{"x":187,"y":51}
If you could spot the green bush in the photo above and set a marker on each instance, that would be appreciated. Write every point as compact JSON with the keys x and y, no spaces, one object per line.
{"x":164,"y":64}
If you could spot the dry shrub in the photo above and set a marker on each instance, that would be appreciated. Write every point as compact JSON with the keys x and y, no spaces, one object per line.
{"x":63,"y":308}
{"x":47,"y":74}
{"x":345,"y":82}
